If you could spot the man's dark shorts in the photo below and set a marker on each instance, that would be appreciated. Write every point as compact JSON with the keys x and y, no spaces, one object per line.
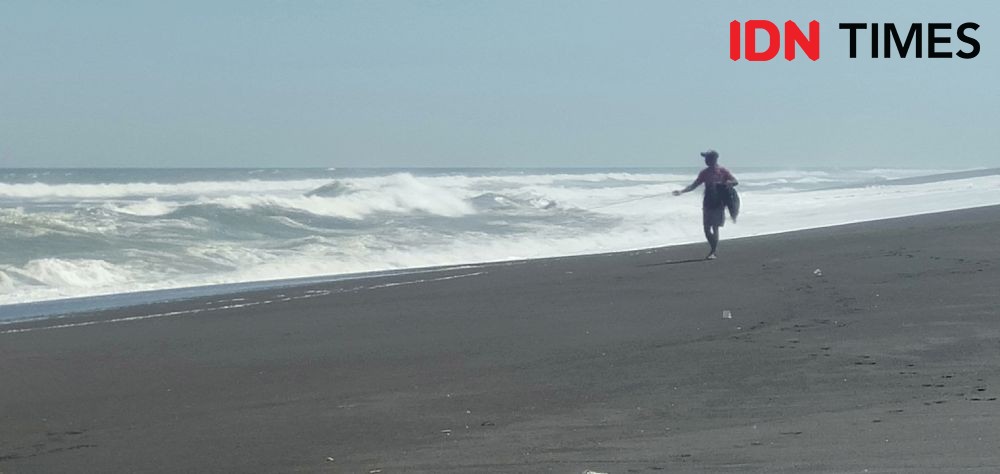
{"x":714,"y":216}
{"x":713,"y":207}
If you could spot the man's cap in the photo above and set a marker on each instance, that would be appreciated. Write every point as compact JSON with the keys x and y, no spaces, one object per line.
{"x":710,"y":154}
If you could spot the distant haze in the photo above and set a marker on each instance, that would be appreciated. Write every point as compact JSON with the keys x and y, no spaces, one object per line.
{"x":481,"y":84}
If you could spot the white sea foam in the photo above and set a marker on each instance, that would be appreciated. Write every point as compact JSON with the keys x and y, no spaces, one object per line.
{"x":7,"y":284}
{"x":70,"y":273}
{"x":148,"y":207}
{"x":400,"y":193}
{"x":113,"y":238}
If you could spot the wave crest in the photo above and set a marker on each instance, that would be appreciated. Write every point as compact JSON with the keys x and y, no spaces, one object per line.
{"x":68,"y":273}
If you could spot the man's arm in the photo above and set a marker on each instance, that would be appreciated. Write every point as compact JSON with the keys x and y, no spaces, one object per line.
{"x":730,"y":179}
{"x":690,"y":187}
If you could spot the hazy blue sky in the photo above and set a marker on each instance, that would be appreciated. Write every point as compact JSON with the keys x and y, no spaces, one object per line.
{"x":469,"y":83}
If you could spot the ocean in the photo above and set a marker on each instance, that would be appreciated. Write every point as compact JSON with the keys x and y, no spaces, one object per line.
{"x":67,"y":234}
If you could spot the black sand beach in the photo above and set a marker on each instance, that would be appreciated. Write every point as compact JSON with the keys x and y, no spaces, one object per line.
{"x":886,"y":359}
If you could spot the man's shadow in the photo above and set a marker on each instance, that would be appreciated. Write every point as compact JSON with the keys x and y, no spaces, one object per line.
{"x":673,"y":262}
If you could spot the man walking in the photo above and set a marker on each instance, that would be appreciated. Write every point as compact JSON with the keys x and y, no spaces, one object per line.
{"x":717,"y":181}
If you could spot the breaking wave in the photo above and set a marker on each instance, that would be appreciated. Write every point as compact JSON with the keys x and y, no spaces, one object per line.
{"x":91,"y":234}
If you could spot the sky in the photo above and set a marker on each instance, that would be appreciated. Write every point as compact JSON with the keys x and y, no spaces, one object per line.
{"x":464,"y":83}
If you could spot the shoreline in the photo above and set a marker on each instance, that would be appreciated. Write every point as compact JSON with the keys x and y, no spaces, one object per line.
{"x":60,"y":308}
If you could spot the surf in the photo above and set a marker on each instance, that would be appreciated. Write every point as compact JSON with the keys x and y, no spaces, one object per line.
{"x":110,"y":232}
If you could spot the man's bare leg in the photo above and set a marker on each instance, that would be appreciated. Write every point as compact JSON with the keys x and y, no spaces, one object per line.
{"x":712,"y":234}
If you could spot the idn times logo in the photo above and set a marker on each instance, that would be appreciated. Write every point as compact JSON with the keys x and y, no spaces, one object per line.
{"x":886,"y":39}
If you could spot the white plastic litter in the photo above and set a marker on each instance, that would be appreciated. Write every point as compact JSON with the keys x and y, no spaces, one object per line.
{"x":726,"y":314}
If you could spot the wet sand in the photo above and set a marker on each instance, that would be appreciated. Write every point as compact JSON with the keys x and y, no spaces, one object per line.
{"x":886,"y":359}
